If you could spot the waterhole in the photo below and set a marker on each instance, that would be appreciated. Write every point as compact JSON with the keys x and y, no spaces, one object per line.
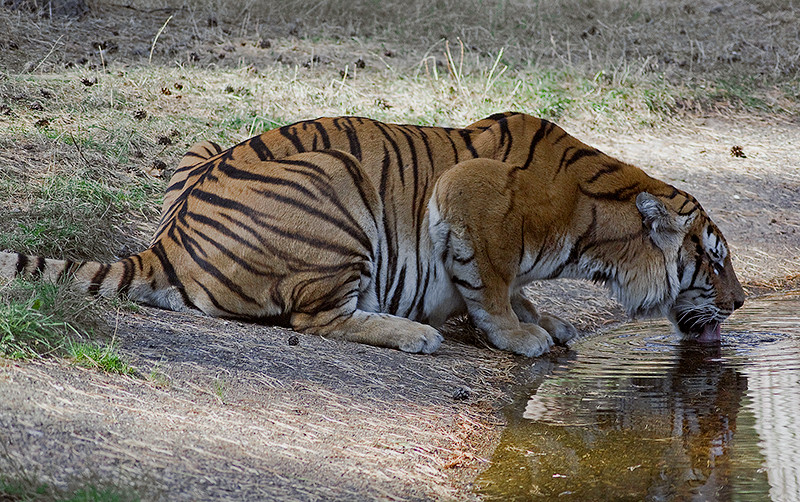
{"x":637,"y":414}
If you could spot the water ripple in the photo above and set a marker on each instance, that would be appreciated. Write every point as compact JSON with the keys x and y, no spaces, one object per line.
{"x":638,"y":413}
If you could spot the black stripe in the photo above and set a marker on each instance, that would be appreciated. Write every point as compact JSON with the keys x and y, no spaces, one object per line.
{"x":423,"y":135}
{"x":69,"y":267}
{"x":539,"y":256}
{"x":206,"y":164}
{"x":499,"y":116}
{"x":227,"y":252}
{"x":446,"y":247}
{"x":217,"y":148}
{"x":357,"y":174}
{"x":169,"y":270}
{"x":466,"y":285}
{"x":505,"y":133}
{"x":127,"y":276}
{"x":197,"y":253}
{"x":40,"y":263}
{"x":579,"y":154}
{"x":289,"y":132}
{"x":394,"y":305}
{"x":176,"y":186}
{"x":292,"y":261}
{"x":697,"y":264}
{"x":242,"y":174}
{"x":22,"y":262}
{"x":560,"y":138}
{"x":214,"y":300}
{"x":352,"y":138}
{"x":540,"y":134}
{"x":466,"y":135}
{"x":260,"y":148}
{"x":391,"y":243}
{"x":383,"y":129}
{"x":607,"y":169}
{"x":449,"y":137}
{"x":235,"y":173}
{"x":195,"y":155}
{"x":219,"y":227}
{"x":323,"y":134}
{"x":625,"y":193}
{"x":419,"y":298}
{"x":97,"y":280}
{"x":350,"y":226}
{"x":138,"y":260}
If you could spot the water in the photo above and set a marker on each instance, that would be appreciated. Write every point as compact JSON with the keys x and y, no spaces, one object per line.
{"x":636,"y":414}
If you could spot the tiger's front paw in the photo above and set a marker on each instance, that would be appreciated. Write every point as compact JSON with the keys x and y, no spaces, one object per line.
{"x":425,"y":339}
{"x":561,"y":330}
{"x":528,"y":340}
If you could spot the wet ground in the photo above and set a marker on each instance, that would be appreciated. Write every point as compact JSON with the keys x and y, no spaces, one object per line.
{"x":637,"y":414}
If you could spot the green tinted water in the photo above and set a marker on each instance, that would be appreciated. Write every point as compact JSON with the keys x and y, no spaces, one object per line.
{"x":636,"y":414}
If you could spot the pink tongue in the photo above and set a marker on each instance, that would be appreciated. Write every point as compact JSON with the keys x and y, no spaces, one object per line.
{"x":711,"y":333}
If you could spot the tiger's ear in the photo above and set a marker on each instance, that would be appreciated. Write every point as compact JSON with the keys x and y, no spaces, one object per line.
{"x":659,"y":220}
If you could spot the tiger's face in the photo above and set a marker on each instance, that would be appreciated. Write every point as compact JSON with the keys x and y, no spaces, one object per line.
{"x":709,"y":290}
{"x":702,"y":287}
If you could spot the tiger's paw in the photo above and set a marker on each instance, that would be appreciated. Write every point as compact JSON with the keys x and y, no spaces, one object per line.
{"x":561,"y":330}
{"x":424,"y":339}
{"x":528,"y":340}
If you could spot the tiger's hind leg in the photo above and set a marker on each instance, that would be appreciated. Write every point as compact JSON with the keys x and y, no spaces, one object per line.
{"x":481,"y":241}
{"x":341,"y":318}
{"x":562,"y":331}
{"x":487,"y":296}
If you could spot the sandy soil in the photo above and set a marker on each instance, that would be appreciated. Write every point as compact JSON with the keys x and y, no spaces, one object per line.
{"x":226,"y":410}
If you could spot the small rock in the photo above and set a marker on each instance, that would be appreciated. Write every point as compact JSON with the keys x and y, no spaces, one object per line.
{"x":462,"y":393}
{"x":156,"y":169}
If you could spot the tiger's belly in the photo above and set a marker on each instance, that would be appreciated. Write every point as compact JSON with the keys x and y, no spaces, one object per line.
{"x":418,"y":287}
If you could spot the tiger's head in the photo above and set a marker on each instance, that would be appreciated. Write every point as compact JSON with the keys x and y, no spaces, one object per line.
{"x":703,"y":288}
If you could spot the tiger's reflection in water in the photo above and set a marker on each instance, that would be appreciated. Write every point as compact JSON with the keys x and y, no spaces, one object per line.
{"x":617,"y":428}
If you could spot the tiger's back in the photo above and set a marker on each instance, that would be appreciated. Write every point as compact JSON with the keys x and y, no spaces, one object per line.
{"x":402,"y":162}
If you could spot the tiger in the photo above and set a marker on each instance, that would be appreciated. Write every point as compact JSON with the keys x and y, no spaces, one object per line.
{"x":378,"y":233}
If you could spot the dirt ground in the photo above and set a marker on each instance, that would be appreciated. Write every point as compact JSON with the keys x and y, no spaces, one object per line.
{"x":229,"y":410}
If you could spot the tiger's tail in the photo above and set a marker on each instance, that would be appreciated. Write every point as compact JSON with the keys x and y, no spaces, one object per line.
{"x":141,"y":277}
